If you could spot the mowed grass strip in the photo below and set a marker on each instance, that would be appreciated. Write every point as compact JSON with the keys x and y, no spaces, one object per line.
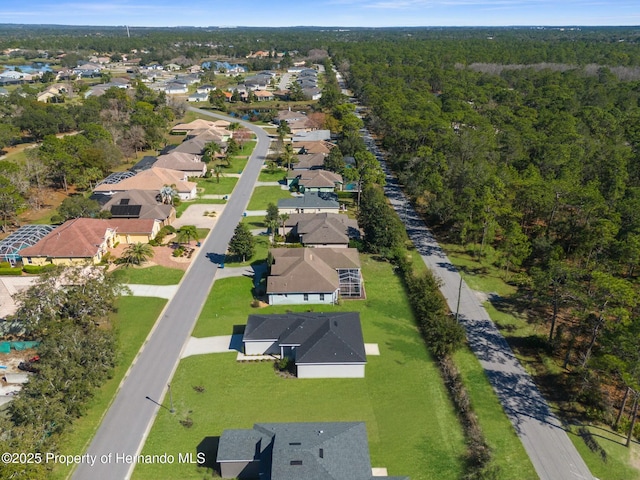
{"x":411,"y":424}
{"x":133,"y":321}
{"x":217,"y":186}
{"x":263,"y":196}
{"x":154,"y":275}
{"x":508,"y":452}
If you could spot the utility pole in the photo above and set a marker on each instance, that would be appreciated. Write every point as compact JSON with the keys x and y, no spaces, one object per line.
{"x":459,"y":295}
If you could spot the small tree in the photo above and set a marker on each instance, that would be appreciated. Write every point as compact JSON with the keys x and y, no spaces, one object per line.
{"x":137,"y":254}
{"x":167,"y":194}
{"x":242,"y":244}
{"x":187,"y":233}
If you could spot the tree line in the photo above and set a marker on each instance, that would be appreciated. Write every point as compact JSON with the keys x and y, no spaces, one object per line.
{"x":535,"y":169}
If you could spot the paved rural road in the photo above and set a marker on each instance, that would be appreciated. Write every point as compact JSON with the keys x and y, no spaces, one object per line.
{"x":127,"y":422}
{"x":544,"y":437}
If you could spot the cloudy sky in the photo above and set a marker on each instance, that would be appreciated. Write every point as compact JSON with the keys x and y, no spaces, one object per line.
{"x":356,"y":13}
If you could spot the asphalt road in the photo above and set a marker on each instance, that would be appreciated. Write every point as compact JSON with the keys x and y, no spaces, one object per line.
{"x":127,"y":422}
{"x":544,"y":437}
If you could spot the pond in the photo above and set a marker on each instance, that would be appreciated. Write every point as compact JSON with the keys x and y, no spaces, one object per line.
{"x":32,"y":68}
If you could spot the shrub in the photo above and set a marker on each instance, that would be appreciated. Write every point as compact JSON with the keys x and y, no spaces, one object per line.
{"x":10,"y":271}
{"x":178,"y":252}
{"x":37,"y":269}
{"x":5,"y":265}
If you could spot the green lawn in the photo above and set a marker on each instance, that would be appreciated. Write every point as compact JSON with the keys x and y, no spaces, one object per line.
{"x":155,"y":275}
{"x":266,"y":176}
{"x":133,"y":321}
{"x":262,"y":246}
{"x":217,"y":186}
{"x":411,"y":423}
{"x":263,"y":196}
{"x":509,"y":454}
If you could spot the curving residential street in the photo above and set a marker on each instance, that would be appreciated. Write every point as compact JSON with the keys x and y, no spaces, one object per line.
{"x":126,"y":424}
{"x":544,"y":437}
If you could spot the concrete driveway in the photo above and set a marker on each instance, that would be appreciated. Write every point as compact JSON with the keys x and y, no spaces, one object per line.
{"x":194,"y":215}
{"x":9,"y":286}
{"x":221,"y":344}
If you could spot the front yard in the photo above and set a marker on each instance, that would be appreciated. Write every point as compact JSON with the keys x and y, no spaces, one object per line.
{"x":411,"y":423}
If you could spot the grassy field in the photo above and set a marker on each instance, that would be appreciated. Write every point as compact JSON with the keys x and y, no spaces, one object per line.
{"x":155,"y":275}
{"x":266,"y":176}
{"x":263,"y":196}
{"x":133,"y":321}
{"x":411,"y":424}
{"x":217,"y":186}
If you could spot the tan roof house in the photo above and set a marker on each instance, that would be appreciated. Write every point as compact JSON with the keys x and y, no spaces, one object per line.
{"x":199,"y":124}
{"x":313,"y":146}
{"x":322,"y":230}
{"x":312,"y":161}
{"x":315,"y":180}
{"x":299,"y":276}
{"x":153,"y":179}
{"x":188,"y":163}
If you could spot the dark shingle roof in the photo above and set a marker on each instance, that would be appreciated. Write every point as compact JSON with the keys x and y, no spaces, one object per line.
{"x":320,"y":337}
{"x":309,"y":451}
{"x":311,"y":200}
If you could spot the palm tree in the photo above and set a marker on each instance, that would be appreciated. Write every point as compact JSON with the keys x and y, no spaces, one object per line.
{"x":210,"y":151}
{"x":283,"y":217}
{"x":217,"y":171}
{"x":186,"y":234}
{"x":167,"y":193}
{"x":272,"y":225}
{"x":137,"y":254}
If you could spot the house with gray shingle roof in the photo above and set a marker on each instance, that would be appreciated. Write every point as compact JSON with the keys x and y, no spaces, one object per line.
{"x":296,"y":451}
{"x":322,"y":345}
{"x":312,"y":202}
{"x":322,"y":230}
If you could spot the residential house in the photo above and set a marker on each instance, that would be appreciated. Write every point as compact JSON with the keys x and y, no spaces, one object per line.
{"x":309,"y":147}
{"x":263,"y":95}
{"x":314,"y":181}
{"x":175,"y":88}
{"x":289,"y":116}
{"x":141,"y":204}
{"x":188,"y":163}
{"x":86,"y":240}
{"x":77,"y":241}
{"x":322,"y":345}
{"x":172,"y":67}
{"x":313,"y":136}
{"x":135,"y":230}
{"x":312,"y":202}
{"x":198,"y":97}
{"x":312,"y":93}
{"x":321,"y":230}
{"x":199,"y":124}
{"x":205,"y":88}
{"x":152,"y":179}
{"x":311,"y":161}
{"x":145,"y":163}
{"x":193,"y":146}
{"x":296,"y":451}
{"x":299,"y":276}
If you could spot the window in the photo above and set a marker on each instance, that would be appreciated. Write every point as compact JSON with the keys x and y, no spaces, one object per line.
{"x":322,"y":297}
{"x":295,"y":462}
{"x":306,"y":297}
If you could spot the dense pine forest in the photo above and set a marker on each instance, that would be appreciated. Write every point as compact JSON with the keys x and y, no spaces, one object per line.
{"x":526,"y":149}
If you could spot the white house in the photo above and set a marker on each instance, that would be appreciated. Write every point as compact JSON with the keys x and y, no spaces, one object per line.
{"x":322,"y":345}
{"x":301,"y":276}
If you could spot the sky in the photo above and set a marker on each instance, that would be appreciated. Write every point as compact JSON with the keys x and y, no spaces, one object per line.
{"x":345,"y":13}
